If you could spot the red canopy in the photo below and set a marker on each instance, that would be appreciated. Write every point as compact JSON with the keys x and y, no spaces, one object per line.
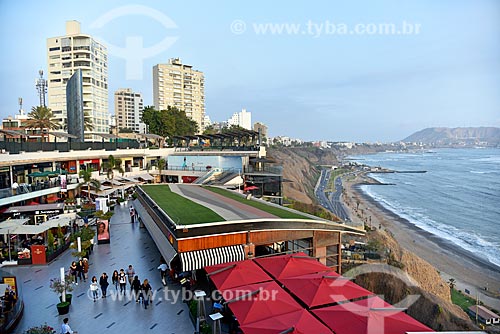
{"x":298,"y":322}
{"x":290,"y":265}
{"x":33,"y":203}
{"x":230,"y":275}
{"x":323,"y":288}
{"x":370,"y":316}
{"x":268,"y":300}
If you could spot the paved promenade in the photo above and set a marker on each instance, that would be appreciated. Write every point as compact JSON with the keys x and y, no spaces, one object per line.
{"x":129,"y":245}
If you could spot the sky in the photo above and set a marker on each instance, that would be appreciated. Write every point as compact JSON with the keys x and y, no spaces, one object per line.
{"x":314,"y":70}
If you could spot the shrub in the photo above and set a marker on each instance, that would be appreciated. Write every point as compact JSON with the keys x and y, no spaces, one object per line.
{"x":43,"y":329}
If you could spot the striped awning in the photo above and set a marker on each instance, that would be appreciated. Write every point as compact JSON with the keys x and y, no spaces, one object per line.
{"x":209,"y":257}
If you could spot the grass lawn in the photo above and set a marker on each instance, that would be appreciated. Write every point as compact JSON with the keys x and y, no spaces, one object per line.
{"x":262,"y":206}
{"x":462,"y":300}
{"x":180,"y":209}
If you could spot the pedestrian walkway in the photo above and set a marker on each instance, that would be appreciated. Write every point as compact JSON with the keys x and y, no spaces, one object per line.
{"x":130,"y":244}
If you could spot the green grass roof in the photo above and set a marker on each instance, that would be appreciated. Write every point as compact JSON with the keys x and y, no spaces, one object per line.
{"x":182,"y":210}
{"x":281,"y":213}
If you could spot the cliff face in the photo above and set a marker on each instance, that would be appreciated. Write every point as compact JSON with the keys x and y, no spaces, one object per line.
{"x":300,"y":165}
{"x":433,"y":307}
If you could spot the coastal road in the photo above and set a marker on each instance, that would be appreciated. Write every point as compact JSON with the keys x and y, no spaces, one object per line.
{"x":331,"y":200}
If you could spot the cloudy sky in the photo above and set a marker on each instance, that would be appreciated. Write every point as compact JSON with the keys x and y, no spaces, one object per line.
{"x":316,"y":70}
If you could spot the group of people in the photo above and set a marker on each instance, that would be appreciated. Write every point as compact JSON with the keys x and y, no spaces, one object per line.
{"x":79,"y":270}
{"x":141,"y":291}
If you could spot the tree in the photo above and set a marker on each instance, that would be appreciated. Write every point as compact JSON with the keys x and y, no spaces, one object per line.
{"x":41,"y":118}
{"x":86,"y":175}
{"x":126,"y":130}
{"x":452,"y":283}
{"x":111,"y":165}
{"x":152,"y":118}
{"x":168,"y":123}
{"x":161,"y":165}
{"x":87,"y":122}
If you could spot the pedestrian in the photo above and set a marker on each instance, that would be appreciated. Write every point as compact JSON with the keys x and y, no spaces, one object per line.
{"x":85,"y":269}
{"x":79,"y":270}
{"x":130,"y":274}
{"x":103,"y":282}
{"x":163,"y":272}
{"x":146,"y":293}
{"x":114,"y":279}
{"x":132,"y":214}
{"x":122,"y":280}
{"x":73,"y":271}
{"x":136,"y":288}
{"x":65,"y":329}
{"x":94,"y":286}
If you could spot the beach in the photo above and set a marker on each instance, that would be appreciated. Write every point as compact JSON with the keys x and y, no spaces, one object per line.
{"x":470,"y":271}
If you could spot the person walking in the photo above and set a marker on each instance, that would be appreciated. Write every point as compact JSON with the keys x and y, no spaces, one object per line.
{"x":146,"y":293}
{"x":94,"y":286}
{"x":85,"y":269}
{"x":65,"y":329}
{"x":163,"y":268}
{"x":136,"y":288}
{"x":73,"y":271}
{"x":79,"y":270}
{"x":103,"y":282}
{"x":122,"y":280}
{"x":114,"y":279}
{"x":130,"y":274}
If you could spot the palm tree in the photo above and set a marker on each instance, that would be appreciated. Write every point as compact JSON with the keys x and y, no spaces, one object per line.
{"x":161,"y":166}
{"x":452,"y":283}
{"x":87,"y":122}
{"x":41,"y":118}
{"x":86,"y":175}
{"x":112,"y":164}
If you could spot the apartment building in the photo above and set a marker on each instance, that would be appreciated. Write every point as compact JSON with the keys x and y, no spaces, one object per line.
{"x":179,"y":85}
{"x":128,"y":110}
{"x":242,"y":119}
{"x":66,"y":54}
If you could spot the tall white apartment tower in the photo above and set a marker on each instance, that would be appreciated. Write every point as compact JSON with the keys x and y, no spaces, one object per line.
{"x":66,"y":54}
{"x":128,"y":110}
{"x":242,"y":118}
{"x":179,"y":85}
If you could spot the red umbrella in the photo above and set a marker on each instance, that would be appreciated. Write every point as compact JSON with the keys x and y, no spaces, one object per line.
{"x":250,"y":188}
{"x":323,"y":288}
{"x":370,"y":316}
{"x":259,"y":301}
{"x":298,"y":322}
{"x":290,"y":265}
{"x":33,"y":203}
{"x":234,"y":274}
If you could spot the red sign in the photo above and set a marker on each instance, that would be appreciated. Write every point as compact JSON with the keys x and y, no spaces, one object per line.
{"x":38,"y":254}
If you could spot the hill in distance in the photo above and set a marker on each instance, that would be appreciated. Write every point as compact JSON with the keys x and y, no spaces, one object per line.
{"x":484,"y":136}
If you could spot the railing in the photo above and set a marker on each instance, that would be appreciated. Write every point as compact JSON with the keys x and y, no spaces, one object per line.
{"x":263,"y":169}
{"x":16,"y":147}
{"x":26,"y":188}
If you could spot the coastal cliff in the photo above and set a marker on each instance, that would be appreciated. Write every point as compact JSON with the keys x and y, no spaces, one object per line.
{"x":434,"y":308}
{"x":301,"y":167}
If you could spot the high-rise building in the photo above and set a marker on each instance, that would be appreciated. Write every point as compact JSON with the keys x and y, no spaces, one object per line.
{"x":179,"y":85}
{"x":128,"y":110}
{"x":242,"y":119}
{"x":261,"y":128}
{"x":66,"y":54}
{"x":74,"y":106}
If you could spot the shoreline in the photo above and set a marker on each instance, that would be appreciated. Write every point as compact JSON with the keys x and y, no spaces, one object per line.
{"x":470,"y":271}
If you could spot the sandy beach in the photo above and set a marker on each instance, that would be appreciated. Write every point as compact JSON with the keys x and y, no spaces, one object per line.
{"x":471,"y":271}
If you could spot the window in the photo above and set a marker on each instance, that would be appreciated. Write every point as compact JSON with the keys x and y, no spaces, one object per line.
{"x":55,"y":49}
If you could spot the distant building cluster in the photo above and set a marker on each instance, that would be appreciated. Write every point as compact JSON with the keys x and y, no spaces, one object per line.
{"x":77,"y":89}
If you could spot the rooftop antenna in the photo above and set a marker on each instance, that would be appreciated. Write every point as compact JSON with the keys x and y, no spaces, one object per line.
{"x":41,"y":87}
{"x":21,"y":111}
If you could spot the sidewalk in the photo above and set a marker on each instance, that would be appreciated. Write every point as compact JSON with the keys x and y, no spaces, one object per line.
{"x":129,"y":245}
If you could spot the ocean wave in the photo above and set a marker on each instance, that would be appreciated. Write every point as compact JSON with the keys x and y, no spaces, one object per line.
{"x":483,"y":171}
{"x":464,"y":239}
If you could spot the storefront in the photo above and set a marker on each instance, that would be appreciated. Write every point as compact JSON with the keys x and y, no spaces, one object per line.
{"x":36,"y":213}
{"x":95,"y":164}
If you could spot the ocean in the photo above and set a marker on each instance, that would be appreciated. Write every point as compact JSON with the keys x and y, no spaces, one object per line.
{"x":457,"y":199}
